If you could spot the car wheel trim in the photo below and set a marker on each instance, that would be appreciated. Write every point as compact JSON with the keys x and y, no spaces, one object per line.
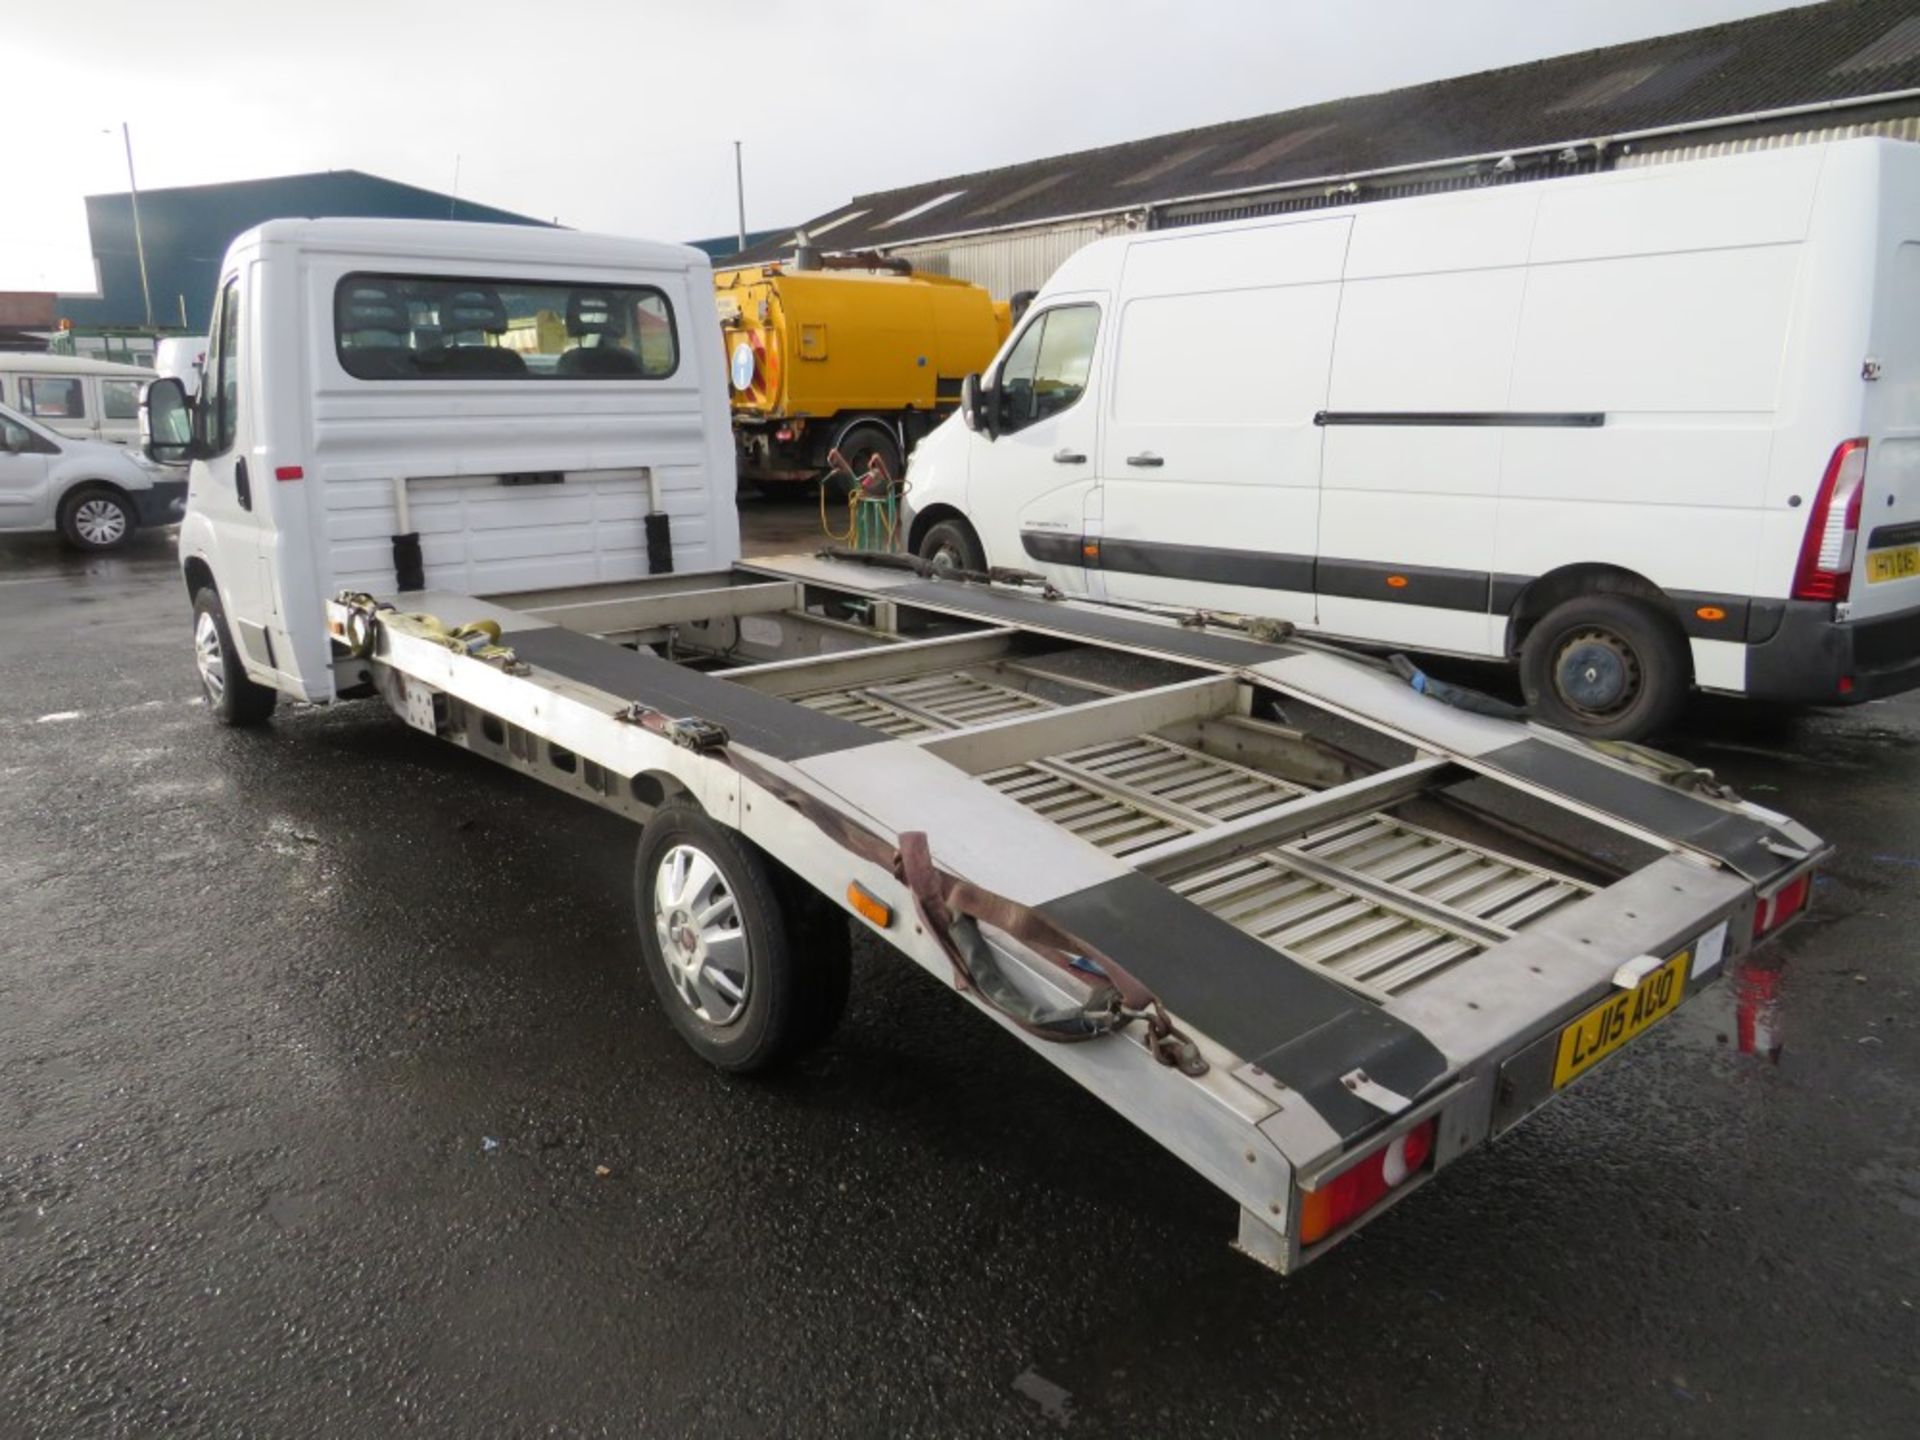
{"x":100,"y":521}
{"x":703,"y":944}
{"x":208,"y":656}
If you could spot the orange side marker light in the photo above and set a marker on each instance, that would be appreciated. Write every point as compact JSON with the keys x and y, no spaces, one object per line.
{"x":868,"y":906}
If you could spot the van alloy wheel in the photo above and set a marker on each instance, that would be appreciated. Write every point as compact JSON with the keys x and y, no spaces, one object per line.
{"x":206,"y":655}
{"x":697,"y":922}
{"x":1597,"y":673}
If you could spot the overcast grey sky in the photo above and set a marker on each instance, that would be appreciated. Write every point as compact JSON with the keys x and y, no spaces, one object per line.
{"x":620,"y":116}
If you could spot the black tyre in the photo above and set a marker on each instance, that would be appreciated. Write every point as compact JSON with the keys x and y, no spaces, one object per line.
{"x":822,"y":939}
{"x":233,"y":698}
{"x":1608,"y":667}
{"x":952,"y":545}
{"x":96,"y":517}
{"x":860,"y":443}
{"x":746,"y":969}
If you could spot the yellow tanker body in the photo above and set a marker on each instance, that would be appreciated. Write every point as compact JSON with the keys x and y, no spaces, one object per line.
{"x":859,"y":360}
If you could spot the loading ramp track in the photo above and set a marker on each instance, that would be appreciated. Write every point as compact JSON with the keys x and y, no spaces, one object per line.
{"x":1373,"y":901}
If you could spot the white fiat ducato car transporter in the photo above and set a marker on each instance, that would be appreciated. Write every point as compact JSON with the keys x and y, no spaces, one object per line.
{"x":1636,"y":430}
{"x":1317,"y":957}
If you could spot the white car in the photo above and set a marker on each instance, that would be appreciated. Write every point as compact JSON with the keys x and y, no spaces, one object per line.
{"x":95,"y":494}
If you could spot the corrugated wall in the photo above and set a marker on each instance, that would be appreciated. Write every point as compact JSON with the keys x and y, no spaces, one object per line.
{"x":1008,"y":263}
{"x":1905,"y":128}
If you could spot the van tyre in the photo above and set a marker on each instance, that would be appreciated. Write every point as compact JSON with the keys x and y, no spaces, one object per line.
{"x":952,"y":545}
{"x":746,"y":969}
{"x":1607,"y":667}
{"x":233,"y":698}
{"x":96,"y":517}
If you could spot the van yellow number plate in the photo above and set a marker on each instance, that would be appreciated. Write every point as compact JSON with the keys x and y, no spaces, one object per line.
{"x":1900,"y":563}
{"x":1613,"y":1022}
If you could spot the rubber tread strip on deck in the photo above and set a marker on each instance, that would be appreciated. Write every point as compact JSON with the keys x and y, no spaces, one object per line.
{"x":767,"y":723}
{"x":1302,"y":1028}
{"x":1209,"y":647}
{"x":1735,"y":839}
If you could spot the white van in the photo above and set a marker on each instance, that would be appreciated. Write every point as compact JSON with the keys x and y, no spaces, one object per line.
{"x":182,"y":358}
{"x":72,"y":395}
{"x":1636,"y":431}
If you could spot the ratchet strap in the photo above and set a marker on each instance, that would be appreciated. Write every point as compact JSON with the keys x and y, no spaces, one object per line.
{"x":952,"y":911}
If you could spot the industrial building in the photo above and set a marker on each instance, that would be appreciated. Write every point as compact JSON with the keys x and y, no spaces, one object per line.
{"x":1827,"y":71}
{"x":185,"y":231}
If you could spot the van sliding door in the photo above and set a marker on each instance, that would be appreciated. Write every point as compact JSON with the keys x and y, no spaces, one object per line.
{"x":1210,"y":464}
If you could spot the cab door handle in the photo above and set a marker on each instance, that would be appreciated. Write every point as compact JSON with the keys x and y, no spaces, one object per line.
{"x":242,"y":484}
{"x":1145,"y":458}
{"x":1068,"y":457}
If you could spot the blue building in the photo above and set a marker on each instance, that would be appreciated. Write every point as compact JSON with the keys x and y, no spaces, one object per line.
{"x":187,"y":230}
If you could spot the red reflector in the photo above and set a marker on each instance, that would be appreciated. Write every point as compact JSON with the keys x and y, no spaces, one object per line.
{"x":1360,"y":1187}
{"x":1776,"y":909}
{"x":289,"y":472}
{"x":1846,"y":684}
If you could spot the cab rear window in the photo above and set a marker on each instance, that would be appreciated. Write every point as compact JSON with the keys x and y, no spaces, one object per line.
{"x":453,"y":327}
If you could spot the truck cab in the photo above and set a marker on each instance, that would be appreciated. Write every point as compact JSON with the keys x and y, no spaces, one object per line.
{"x":494,"y":408}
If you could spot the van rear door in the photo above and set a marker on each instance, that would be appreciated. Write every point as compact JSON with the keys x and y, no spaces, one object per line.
{"x":1886,"y":577}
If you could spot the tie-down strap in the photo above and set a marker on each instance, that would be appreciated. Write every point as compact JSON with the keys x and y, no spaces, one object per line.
{"x":952,"y":910}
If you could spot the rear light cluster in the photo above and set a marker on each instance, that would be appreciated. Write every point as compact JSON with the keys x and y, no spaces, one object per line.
{"x":1825,"y":571}
{"x":1782,"y":905}
{"x":1363,"y":1185}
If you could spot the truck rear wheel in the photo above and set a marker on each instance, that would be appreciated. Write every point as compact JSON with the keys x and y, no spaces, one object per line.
{"x":1607,"y":667}
{"x":748,"y":978}
{"x":859,"y":444}
{"x":233,"y":698}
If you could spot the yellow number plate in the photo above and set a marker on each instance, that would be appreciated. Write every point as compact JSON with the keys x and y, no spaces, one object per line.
{"x":1612,"y":1023}
{"x":1901,"y":563}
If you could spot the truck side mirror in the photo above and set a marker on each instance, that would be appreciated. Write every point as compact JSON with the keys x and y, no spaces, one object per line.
{"x":978,"y":404}
{"x":166,"y":423}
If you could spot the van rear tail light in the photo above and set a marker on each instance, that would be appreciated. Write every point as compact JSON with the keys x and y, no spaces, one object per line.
{"x":1363,"y":1185}
{"x":1825,"y":571}
{"x":1782,"y":905}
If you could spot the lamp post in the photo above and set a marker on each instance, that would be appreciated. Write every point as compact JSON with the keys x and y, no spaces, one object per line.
{"x":740,"y":195}
{"x":139,"y":241}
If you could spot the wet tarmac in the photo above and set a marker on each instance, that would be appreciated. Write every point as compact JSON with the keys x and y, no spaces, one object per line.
{"x":331,"y":1103}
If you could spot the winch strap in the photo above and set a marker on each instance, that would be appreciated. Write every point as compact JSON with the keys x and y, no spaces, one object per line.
{"x":952,"y":910}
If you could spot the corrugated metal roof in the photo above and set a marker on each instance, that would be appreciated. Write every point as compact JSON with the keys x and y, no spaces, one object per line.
{"x":1804,"y":56}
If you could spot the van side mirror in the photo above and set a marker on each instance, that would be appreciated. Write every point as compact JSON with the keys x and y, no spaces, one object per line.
{"x":166,"y":423}
{"x":979,"y":403}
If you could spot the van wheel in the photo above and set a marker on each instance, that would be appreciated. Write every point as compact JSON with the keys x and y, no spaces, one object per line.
{"x":96,"y":517}
{"x":747,"y":980}
{"x":1606,"y":667}
{"x":952,"y":545}
{"x":233,"y":698}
